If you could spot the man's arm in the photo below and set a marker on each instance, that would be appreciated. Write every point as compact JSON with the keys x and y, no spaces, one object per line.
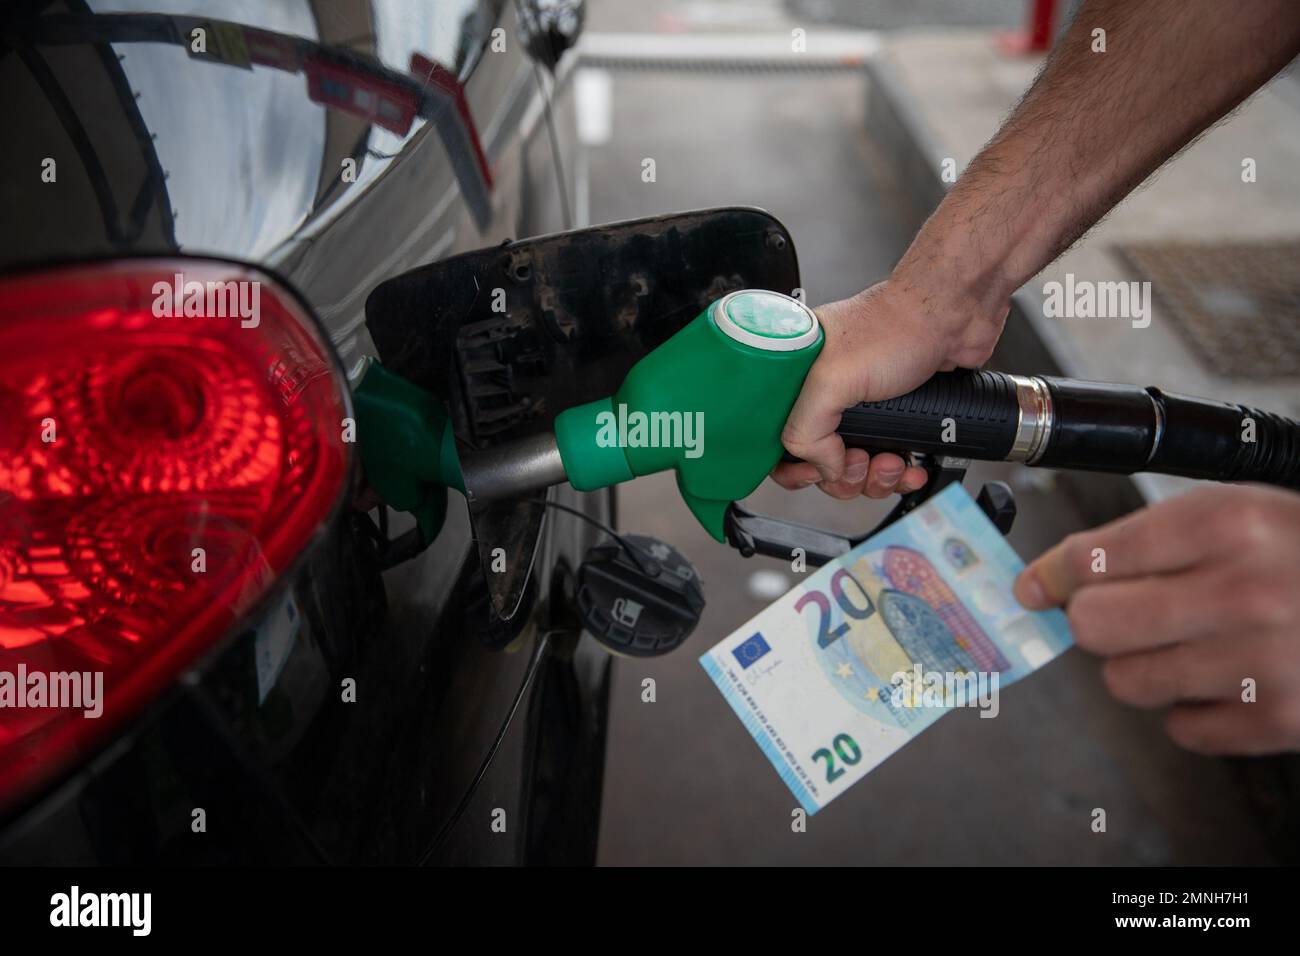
{"x":1091,"y":128}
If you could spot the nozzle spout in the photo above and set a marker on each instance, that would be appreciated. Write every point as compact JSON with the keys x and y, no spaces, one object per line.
{"x":513,"y":468}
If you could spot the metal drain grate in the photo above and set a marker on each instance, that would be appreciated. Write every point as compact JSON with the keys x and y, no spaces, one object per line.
{"x":1237,"y":305}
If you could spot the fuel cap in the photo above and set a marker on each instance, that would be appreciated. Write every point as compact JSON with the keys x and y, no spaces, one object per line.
{"x":640,"y":597}
{"x":766,"y":320}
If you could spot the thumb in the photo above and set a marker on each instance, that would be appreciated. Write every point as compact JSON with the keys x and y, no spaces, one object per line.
{"x":810,"y":430}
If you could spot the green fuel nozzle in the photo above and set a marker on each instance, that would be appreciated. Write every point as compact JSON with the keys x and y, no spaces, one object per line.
{"x":408,"y":449}
{"x":709,"y":404}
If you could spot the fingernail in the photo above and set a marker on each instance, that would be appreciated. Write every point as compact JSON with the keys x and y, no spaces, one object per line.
{"x":808,"y":481}
{"x":1029,"y":591}
{"x":857,"y":472}
{"x":890,"y":477}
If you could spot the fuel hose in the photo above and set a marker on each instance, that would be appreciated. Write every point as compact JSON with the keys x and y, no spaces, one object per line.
{"x":1064,"y":423}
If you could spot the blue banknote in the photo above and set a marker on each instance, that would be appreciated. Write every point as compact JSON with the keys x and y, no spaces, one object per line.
{"x":871,"y":649}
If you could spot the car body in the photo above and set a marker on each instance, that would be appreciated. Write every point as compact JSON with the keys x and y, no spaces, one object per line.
{"x":346,"y":716}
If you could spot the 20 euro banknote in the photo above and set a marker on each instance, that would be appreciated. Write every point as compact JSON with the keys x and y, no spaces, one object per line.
{"x":871,"y":649}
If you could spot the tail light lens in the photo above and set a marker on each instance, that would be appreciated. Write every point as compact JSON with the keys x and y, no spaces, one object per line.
{"x":171,"y":438}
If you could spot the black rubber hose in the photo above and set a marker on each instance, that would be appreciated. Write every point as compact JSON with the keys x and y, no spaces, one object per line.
{"x":1095,"y":427}
{"x":1207,"y":439}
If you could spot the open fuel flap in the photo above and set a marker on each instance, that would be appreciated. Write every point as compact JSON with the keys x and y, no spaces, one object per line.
{"x":509,"y":337}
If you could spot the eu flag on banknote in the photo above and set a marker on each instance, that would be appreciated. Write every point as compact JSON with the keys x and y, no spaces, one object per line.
{"x":751,"y":650}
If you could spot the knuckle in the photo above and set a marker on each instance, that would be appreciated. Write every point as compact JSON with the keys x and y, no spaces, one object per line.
{"x":793,"y":440}
{"x":1140,"y":682}
{"x":1266,"y":604}
{"x":1246,"y":527}
{"x":1087,"y":620}
{"x":1256,"y":525}
{"x":974,"y":355}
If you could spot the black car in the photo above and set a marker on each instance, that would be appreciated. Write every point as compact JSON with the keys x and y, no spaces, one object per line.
{"x":178,"y":513}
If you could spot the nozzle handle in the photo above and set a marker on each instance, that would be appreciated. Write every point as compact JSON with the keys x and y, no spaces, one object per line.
{"x":964,"y":414}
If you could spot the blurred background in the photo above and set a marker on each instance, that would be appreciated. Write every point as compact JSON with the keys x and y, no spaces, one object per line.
{"x":845,"y":141}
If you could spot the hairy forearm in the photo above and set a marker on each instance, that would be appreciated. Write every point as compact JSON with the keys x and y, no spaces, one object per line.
{"x":1091,"y":128}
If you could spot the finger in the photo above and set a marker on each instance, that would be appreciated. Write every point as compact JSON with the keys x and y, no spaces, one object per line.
{"x":810,"y":428}
{"x":1239,"y":728}
{"x":885,"y":472}
{"x":913,"y":478}
{"x":1197,"y":672}
{"x":1165,"y":537}
{"x":1121,"y":617}
{"x":795,"y":474}
{"x":856,"y":465}
{"x":826,"y":454}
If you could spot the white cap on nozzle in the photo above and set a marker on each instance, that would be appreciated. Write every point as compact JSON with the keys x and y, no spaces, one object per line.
{"x":766,"y":320}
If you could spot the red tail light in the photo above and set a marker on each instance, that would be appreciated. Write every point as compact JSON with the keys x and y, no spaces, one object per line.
{"x":157,"y":472}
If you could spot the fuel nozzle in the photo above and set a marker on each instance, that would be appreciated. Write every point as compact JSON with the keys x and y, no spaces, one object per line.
{"x":408,"y":449}
{"x":709,"y":404}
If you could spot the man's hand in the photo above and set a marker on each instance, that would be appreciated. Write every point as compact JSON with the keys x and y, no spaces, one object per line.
{"x":1091,"y":128}
{"x":1200,"y":596}
{"x":879,"y":344}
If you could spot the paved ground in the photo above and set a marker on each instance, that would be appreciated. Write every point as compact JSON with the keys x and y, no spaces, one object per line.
{"x":684,"y":782}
